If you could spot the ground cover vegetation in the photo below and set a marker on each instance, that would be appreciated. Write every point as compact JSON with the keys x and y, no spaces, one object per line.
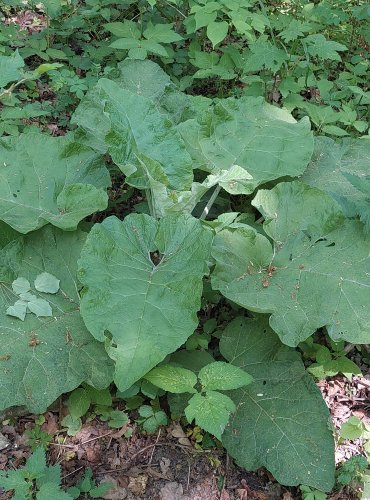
{"x":185,"y":212}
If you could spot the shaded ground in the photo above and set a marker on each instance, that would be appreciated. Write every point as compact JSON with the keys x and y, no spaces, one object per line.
{"x":166,"y":466}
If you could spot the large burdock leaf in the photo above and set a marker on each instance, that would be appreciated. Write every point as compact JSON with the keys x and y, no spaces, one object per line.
{"x":132,"y":129}
{"x":143,"y":282}
{"x":265,"y":141}
{"x":343,"y":171}
{"x":281,"y":421}
{"x":49,"y":179}
{"x":42,"y":358}
{"x":316,"y":272}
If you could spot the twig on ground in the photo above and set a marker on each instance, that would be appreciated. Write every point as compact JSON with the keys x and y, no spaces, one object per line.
{"x":153,"y":450}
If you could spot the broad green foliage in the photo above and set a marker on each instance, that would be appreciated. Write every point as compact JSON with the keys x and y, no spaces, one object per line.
{"x":209,"y":408}
{"x":343,"y":170}
{"x":265,"y":141}
{"x":281,"y":421}
{"x":172,"y":378}
{"x":41,"y":358}
{"x":10,"y":68}
{"x":315,"y":274}
{"x":136,"y":134}
{"x":143,"y":307}
{"x":211,"y":411}
{"x":45,"y":179}
{"x":222,"y":377}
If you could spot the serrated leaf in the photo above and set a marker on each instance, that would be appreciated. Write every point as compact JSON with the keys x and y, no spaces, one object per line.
{"x":264,"y":55}
{"x":39,"y":307}
{"x":52,"y":490}
{"x":43,"y":358}
{"x":335,"y":168}
{"x":320,"y":47}
{"x":15,"y":480}
{"x":172,"y":378}
{"x":125,"y":29}
{"x":10,"y":68}
{"x":47,"y":283}
{"x":315,"y":274}
{"x":135,"y":133}
{"x":222,"y":376}
{"x":161,"y":33}
{"x":211,"y":411}
{"x":149,"y":308}
{"x":249,"y":133}
{"x":281,"y":421}
{"x":36,"y":464}
{"x":117,"y":419}
{"x":217,"y":31}
{"x":21,"y":285}
{"x":35,"y":190}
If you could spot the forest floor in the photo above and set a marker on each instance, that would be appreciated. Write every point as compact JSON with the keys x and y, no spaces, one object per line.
{"x":167,"y":466}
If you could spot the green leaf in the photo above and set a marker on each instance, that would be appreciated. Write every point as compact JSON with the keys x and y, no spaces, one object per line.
{"x":312,"y":245}
{"x":161,"y":33}
{"x":21,"y":285}
{"x":144,"y":78}
{"x":222,"y":377}
{"x":335,"y":168}
{"x":249,"y":133}
{"x":18,"y":309}
{"x":264,"y":55}
{"x":217,"y":31}
{"x":136,"y":134}
{"x":236,"y":180}
{"x":45,"y":357}
{"x":352,"y":428}
{"x":152,"y":424}
{"x":52,"y":490}
{"x":281,"y":421}
{"x":35,"y":190}
{"x":36,"y":464}
{"x":39,"y":307}
{"x":211,"y":411}
{"x":322,"y":48}
{"x":126,"y":43}
{"x":73,"y":425}
{"x":78,"y":403}
{"x":137,"y":53}
{"x":172,"y":379}
{"x":10,"y":68}
{"x":154,"y":47}
{"x":126,"y":29}
{"x":149,"y":307}
{"x":46,"y":282}
{"x":334,"y":130}
{"x":117,"y":419}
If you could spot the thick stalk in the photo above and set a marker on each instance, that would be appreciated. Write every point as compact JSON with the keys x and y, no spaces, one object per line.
{"x":211,"y":201}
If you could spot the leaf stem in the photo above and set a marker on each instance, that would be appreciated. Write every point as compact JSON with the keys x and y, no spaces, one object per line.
{"x":211,"y":201}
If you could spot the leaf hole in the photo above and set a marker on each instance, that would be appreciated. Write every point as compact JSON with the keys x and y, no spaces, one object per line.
{"x":155,"y":257}
{"x":331,"y":244}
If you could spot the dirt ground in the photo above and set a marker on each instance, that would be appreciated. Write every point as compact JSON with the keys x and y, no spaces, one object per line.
{"x":167,"y":466}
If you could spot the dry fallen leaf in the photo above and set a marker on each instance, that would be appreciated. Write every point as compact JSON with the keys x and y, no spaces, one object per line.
{"x":137,"y":485}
